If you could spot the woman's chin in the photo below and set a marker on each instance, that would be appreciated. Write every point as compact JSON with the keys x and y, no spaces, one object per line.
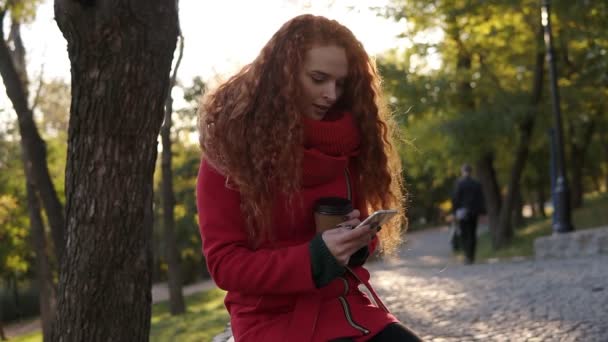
{"x":316,"y":115}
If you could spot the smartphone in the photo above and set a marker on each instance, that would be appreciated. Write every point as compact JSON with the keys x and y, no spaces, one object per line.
{"x":378,"y":218}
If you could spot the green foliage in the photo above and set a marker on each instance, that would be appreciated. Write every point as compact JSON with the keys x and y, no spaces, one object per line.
{"x":592,"y":215}
{"x":13,"y":234}
{"x":22,"y":10}
{"x":15,"y":251}
{"x":15,"y":254}
{"x":464,"y":76}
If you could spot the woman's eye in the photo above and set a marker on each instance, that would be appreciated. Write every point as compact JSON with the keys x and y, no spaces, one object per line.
{"x":317,"y":79}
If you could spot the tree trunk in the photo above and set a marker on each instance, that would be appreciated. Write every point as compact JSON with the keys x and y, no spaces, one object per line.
{"x":16,"y":296}
{"x":526,"y":127}
{"x":491,"y":192}
{"x":35,"y":147}
{"x":534,"y":209}
{"x":176,"y":297}
{"x":541,"y":198}
{"x":518,"y":207}
{"x":579,"y":151}
{"x":605,"y":135}
{"x":44,"y":276}
{"x":504,"y":231}
{"x":120,"y":54}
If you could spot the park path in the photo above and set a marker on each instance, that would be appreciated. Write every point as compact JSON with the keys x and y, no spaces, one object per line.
{"x":526,"y":300}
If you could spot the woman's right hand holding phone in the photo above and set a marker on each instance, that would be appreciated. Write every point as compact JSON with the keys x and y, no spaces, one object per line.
{"x":344,"y":241}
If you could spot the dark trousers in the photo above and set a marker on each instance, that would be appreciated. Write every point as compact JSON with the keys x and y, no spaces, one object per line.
{"x":468,"y":231}
{"x":394,"y":332}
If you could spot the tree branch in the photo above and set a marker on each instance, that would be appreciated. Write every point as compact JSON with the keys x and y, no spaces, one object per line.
{"x":39,"y":89}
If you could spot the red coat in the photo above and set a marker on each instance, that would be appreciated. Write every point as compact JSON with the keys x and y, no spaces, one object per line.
{"x":271,"y":293}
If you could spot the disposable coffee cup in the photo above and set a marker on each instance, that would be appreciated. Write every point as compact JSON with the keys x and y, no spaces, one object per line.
{"x":331,"y":211}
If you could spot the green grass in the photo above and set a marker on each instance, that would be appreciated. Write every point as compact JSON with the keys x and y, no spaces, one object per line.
{"x":206,"y":317}
{"x":593,"y":214}
{"x":31,"y":337}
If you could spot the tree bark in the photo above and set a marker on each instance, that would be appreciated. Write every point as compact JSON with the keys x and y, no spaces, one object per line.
{"x":491,"y":192}
{"x":605,"y":135}
{"x":541,"y":199}
{"x":176,"y":297}
{"x":44,"y":276}
{"x":605,"y":138}
{"x":35,"y":147}
{"x":518,"y":207}
{"x":120,"y":54}
{"x":579,"y":151}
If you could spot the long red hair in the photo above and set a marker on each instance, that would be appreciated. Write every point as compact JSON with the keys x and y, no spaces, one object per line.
{"x":250,"y":127}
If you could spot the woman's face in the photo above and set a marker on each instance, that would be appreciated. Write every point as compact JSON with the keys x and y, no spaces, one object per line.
{"x":322,"y":79}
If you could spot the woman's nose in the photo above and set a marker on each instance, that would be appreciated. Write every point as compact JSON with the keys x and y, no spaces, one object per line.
{"x":330,"y":92}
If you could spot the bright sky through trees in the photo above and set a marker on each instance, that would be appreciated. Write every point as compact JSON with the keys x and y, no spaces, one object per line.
{"x":222,"y":35}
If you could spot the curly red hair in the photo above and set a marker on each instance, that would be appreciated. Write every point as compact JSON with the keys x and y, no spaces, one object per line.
{"x":251,"y":131}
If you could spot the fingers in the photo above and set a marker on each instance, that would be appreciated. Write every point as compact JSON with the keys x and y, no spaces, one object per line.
{"x":353,"y":214}
{"x":359,"y":233}
{"x":351,"y":219}
{"x":344,"y":242}
{"x":354,"y":238}
{"x":350,"y":223}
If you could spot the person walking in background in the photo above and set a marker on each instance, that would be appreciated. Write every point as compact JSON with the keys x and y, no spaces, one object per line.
{"x":467,"y":206}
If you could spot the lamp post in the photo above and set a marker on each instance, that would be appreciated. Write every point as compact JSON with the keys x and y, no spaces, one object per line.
{"x":561,"y":192}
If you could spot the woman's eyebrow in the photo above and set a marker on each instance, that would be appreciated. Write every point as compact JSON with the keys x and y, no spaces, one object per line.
{"x":322,"y":73}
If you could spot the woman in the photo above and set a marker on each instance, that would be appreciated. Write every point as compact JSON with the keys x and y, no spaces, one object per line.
{"x":301,"y":122}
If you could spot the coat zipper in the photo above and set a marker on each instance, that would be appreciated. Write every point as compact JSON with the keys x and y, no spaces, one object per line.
{"x":349,"y":193}
{"x":346,"y":309}
{"x":342,"y":298}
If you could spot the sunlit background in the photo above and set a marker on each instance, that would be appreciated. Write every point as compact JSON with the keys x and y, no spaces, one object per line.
{"x":466,"y":81}
{"x":221,"y":36}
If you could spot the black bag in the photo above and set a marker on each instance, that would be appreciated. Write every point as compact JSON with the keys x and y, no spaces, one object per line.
{"x":455,"y":237}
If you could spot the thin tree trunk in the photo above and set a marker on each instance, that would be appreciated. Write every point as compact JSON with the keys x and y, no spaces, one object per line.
{"x":518,"y":207}
{"x":579,"y":151}
{"x":14,"y":74}
{"x":597,"y":186}
{"x":541,"y":199}
{"x":534,"y":208}
{"x":13,"y":78}
{"x":176,"y":297}
{"x":526,"y":128}
{"x":2,"y":334}
{"x":120,"y":78}
{"x":504,"y":233}
{"x":605,"y":135}
{"x":16,"y":296}
{"x":44,"y":276}
{"x":491,"y":192}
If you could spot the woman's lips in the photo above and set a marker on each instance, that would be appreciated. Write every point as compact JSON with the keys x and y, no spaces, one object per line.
{"x":321,"y":109}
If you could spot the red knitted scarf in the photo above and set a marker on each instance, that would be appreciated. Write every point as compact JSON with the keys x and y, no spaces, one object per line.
{"x":337,"y":135}
{"x":328,"y":145}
